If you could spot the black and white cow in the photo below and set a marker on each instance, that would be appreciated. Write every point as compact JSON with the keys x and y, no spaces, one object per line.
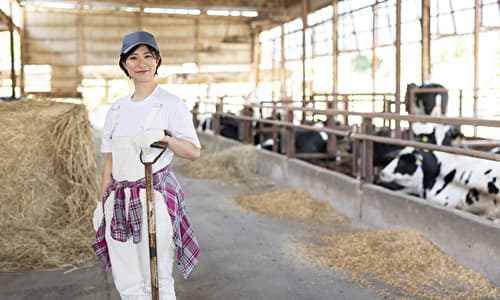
{"x":429,"y":103}
{"x":463,"y":182}
{"x":433,"y":133}
{"x":438,"y":134}
{"x":306,"y":141}
{"x":228,"y":127}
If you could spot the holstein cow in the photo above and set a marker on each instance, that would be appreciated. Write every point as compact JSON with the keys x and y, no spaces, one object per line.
{"x":228,"y":127}
{"x":467,"y":183}
{"x":433,"y":133}
{"x":306,"y":141}
{"x":429,"y":103}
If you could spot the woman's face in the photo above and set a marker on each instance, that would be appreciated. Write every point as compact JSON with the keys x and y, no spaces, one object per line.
{"x":141,"y":64}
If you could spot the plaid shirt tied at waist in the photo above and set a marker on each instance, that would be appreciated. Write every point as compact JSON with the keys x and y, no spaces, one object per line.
{"x":122,"y":228}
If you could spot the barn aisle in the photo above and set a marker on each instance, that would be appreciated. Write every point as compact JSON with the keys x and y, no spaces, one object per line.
{"x":250,"y":256}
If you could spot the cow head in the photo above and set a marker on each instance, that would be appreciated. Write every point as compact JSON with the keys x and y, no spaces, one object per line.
{"x":413,"y":171}
{"x":438,"y":134}
{"x":404,"y":173}
{"x":426,"y":103}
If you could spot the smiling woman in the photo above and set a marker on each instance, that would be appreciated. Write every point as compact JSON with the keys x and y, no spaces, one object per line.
{"x":133,"y":123}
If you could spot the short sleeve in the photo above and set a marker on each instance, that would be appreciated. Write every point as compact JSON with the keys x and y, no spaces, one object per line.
{"x":106,"y":134}
{"x":181,"y":125}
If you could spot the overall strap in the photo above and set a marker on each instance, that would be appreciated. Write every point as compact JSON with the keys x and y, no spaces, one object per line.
{"x":114,"y":118}
{"x":151,"y":116}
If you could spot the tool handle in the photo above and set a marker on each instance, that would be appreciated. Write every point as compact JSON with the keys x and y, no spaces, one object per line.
{"x":160,"y":145}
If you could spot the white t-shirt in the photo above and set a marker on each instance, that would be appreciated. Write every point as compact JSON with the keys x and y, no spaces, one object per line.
{"x":173,"y":116}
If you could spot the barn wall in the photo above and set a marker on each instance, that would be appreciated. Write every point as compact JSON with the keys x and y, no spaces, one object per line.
{"x":68,"y":40}
{"x":469,"y":239}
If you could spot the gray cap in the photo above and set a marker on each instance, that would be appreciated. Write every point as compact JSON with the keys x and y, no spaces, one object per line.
{"x":138,"y":38}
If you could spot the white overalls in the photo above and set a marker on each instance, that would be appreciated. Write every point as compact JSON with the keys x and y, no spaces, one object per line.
{"x":130,"y":262}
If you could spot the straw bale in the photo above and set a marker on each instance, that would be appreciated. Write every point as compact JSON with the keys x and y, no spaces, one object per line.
{"x":233,"y":166}
{"x":401,"y":259}
{"x":49,"y":185}
{"x":293,"y":204}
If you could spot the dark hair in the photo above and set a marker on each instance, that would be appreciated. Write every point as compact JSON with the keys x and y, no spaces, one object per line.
{"x":124,"y":56}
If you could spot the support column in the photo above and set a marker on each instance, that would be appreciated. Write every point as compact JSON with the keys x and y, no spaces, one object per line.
{"x":12,"y":60}
{"x":477,"y":28}
{"x":398,"y":67}
{"x":305,"y":11}
{"x":426,"y":41}
{"x":282,"y":65}
{"x":374,"y":47}
{"x":335,"y":50}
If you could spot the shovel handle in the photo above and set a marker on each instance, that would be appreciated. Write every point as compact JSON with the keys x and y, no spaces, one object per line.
{"x":160,"y":145}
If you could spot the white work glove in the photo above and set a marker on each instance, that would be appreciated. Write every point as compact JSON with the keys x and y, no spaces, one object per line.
{"x":147,"y":137}
{"x":98,"y":215}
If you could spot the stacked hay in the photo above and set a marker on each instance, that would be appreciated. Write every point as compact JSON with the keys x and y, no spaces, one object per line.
{"x":293,"y":204}
{"x":234,"y":166}
{"x":49,"y":185}
{"x":401,"y":259}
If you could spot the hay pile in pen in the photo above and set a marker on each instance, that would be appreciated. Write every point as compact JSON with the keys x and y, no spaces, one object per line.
{"x":402,"y":259}
{"x":234,"y":166}
{"x":294,"y":204}
{"x":49,"y":185}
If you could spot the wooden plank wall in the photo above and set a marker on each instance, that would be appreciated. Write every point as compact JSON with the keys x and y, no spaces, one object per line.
{"x":67,"y":40}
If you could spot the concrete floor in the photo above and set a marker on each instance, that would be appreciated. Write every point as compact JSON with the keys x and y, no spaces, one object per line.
{"x":244,"y":256}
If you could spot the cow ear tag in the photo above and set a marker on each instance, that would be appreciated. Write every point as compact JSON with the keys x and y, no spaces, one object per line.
{"x":425,"y":139}
{"x":418,"y":161}
{"x":459,"y":139}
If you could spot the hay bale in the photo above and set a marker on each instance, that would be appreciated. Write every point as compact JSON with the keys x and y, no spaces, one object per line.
{"x":401,"y":259}
{"x":49,"y":185}
{"x":291,"y":204}
{"x":233,"y":166}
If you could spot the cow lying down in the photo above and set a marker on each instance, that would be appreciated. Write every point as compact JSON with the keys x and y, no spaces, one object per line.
{"x":463,"y":182}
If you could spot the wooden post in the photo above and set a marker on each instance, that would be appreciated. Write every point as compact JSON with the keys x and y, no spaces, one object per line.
{"x":367,"y":152}
{"x":331,"y":146}
{"x":398,"y":66}
{"x":305,"y":11}
{"x":355,"y":153}
{"x":282,"y":65}
{"x":275,"y":131}
{"x":12,"y":60}
{"x":335,"y":50}
{"x":426,"y":40}
{"x":245,"y":126}
{"x":374,"y":47}
{"x":477,"y":28}
{"x":216,"y":118}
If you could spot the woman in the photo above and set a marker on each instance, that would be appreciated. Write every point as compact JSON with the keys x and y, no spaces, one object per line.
{"x":133,"y":123}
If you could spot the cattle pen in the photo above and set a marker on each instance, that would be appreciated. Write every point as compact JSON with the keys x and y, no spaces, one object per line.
{"x":473,"y":245}
{"x":361,"y":197}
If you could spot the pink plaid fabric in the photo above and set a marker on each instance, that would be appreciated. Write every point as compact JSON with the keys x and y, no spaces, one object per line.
{"x":122,"y":227}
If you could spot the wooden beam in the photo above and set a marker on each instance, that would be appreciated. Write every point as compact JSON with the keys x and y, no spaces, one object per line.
{"x":12,"y":60}
{"x":374,"y":47}
{"x":477,"y":28}
{"x":305,"y":12}
{"x":282,"y":65}
{"x":398,"y":66}
{"x":335,"y":44}
{"x":426,"y":40}
{"x":263,"y":7}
